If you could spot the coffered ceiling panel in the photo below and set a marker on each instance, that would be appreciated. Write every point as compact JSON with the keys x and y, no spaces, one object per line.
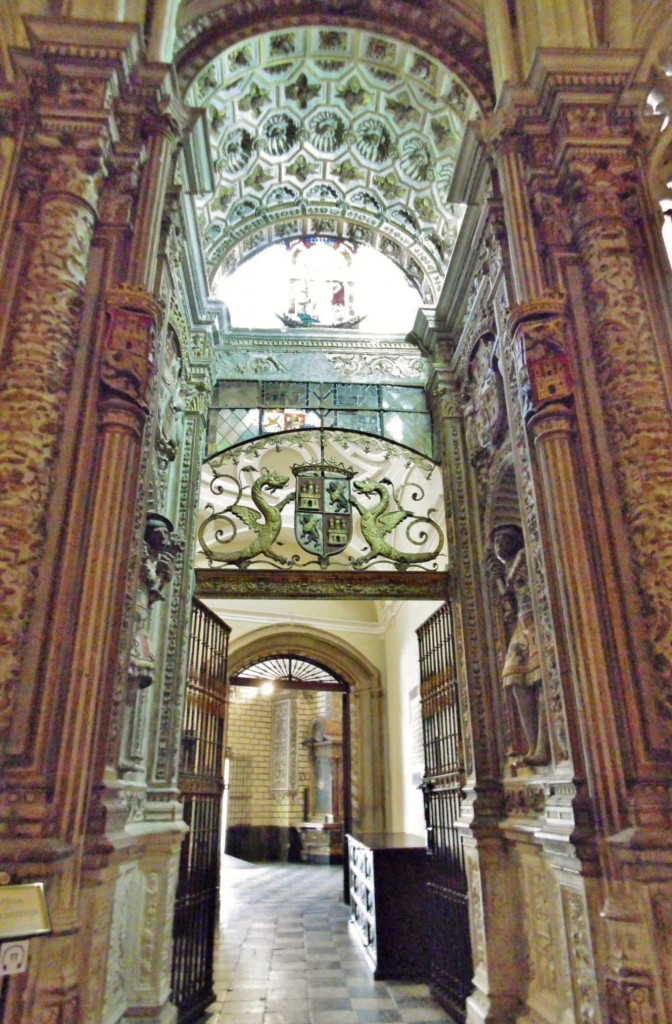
{"x":333,"y":132}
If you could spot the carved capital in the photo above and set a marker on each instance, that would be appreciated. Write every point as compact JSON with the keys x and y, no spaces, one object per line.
{"x":600,"y":188}
{"x":198,"y":394}
{"x":538,"y":329}
{"x":128,"y":357}
{"x":443,"y":394}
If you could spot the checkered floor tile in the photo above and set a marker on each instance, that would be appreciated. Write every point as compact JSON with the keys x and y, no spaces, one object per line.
{"x":286,"y":955}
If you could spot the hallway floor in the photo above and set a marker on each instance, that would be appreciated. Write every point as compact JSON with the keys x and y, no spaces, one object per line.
{"x":286,"y":954}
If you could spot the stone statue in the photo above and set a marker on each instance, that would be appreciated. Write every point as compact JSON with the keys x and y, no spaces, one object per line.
{"x":157,"y":568}
{"x":521,"y":672}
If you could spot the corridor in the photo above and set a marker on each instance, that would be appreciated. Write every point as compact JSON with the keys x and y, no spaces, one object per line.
{"x":286,"y":955}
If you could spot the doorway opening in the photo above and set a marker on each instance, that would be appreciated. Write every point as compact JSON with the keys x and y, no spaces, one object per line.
{"x":288,"y":747}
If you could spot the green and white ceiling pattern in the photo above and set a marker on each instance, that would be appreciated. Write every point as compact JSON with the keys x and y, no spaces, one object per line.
{"x":333,"y":132}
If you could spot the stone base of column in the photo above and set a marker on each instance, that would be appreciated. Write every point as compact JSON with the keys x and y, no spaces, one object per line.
{"x":166,"y":1014}
{"x":485,"y":1009}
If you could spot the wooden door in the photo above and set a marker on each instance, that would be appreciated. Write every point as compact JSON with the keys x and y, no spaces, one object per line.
{"x":450,"y":966}
{"x":201,"y":782}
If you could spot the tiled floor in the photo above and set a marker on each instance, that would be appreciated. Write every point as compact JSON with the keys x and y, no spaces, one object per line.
{"x":286,"y":955}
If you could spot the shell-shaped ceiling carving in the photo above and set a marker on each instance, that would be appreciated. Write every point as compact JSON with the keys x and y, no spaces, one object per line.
{"x":338,"y":132}
{"x":326,"y":131}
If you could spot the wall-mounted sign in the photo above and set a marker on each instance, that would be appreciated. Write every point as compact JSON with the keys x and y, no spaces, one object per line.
{"x":13,"y":957}
{"x":23,"y":911}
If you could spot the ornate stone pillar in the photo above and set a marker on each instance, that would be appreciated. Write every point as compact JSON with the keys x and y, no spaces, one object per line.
{"x":570,"y":151}
{"x":543,"y":377}
{"x":163,"y":747}
{"x":63,"y":166}
{"x":489,"y":870}
{"x":126,"y":370}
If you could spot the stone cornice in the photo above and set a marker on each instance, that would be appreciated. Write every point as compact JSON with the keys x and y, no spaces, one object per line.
{"x":117,"y":43}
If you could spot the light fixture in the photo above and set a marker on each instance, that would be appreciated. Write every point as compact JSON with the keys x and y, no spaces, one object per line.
{"x":266,"y":689}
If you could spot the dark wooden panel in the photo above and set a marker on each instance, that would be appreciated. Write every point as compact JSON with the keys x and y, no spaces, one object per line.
{"x":387,"y":873}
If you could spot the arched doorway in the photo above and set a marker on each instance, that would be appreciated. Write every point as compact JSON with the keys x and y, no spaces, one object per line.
{"x":288,"y":790}
{"x":359,"y":680}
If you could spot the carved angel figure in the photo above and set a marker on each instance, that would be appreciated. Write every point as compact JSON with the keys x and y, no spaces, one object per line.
{"x":521,"y":671}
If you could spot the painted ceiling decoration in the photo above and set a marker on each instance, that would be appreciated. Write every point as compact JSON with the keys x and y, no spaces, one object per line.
{"x":337,"y":133}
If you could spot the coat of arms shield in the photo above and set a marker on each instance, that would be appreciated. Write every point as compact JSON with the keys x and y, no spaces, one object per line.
{"x":323,"y":510}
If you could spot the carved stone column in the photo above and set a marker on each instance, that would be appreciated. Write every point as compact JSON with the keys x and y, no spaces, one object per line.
{"x":544,"y":378}
{"x":163,"y":747}
{"x":64,"y":163}
{"x":570,"y":151}
{"x":489,"y":871}
{"x":630,"y":348}
{"x":126,"y":372}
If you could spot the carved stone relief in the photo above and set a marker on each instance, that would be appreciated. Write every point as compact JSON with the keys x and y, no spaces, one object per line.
{"x":36,"y":383}
{"x":582,"y":967}
{"x":632,"y":388}
{"x":546,"y":633}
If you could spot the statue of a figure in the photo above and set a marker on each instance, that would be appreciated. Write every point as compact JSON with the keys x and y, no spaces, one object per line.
{"x":522,"y":665}
{"x":160,"y":549}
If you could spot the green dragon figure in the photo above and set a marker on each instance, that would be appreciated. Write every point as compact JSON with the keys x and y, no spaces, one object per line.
{"x":266,"y":529}
{"x":377,"y":521}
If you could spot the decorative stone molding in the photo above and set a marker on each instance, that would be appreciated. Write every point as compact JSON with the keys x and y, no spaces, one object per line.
{"x":582,"y":966}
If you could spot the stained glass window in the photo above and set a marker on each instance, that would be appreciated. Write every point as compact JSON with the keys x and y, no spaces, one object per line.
{"x":398,"y":413}
{"x":319,"y":282}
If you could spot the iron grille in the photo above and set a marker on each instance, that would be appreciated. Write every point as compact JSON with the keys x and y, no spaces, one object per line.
{"x":201,"y":782}
{"x":450,"y":965}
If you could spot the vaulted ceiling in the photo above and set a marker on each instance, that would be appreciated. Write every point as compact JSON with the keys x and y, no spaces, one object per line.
{"x":337,"y":132}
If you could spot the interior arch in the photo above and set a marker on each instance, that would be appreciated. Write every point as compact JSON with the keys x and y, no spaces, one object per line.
{"x":365,"y":685}
{"x":457,"y":38}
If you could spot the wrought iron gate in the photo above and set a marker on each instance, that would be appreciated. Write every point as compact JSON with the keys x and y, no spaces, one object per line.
{"x":201,"y":782}
{"x":451,"y":968}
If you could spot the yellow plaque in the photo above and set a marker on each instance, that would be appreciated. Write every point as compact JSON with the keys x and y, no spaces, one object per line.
{"x":23,"y":911}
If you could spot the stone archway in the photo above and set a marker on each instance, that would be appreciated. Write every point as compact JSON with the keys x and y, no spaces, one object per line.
{"x":456,"y":38}
{"x":365,"y":686}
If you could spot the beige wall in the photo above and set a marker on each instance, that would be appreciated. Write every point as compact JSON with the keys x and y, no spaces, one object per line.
{"x":384,"y":633}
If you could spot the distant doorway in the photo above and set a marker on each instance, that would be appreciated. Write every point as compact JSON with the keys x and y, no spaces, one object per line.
{"x":288,"y":747}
